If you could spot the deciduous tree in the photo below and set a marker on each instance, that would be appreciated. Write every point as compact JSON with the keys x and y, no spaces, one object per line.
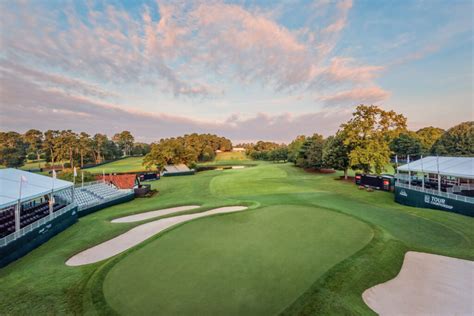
{"x":457,"y":141}
{"x":369,"y":133}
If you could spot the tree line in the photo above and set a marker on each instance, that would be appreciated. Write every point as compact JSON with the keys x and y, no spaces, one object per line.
{"x":367,"y":142}
{"x":66,"y":148}
{"x":187,"y":149}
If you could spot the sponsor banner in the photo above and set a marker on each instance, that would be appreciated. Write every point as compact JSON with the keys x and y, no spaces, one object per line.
{"x":422,"y":199}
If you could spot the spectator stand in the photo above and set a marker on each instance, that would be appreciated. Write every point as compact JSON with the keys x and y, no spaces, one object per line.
{"x":444,"y":183}
{"x":32,"y":210}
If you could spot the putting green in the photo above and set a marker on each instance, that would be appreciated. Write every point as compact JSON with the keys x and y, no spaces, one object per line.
{"x":256,"y":262}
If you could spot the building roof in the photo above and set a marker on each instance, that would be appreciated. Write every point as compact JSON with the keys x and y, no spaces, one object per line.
{"x":461,"y":167}
{"x":176,"y":168}
{"x":121,"y":181}
{"x":35,"y":186}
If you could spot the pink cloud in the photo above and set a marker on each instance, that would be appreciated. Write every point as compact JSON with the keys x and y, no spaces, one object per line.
{"x":355,"y":96}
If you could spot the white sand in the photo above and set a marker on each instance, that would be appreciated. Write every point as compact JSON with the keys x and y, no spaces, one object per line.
{"x":426,"y":285}
{"x":152,"y":214}
{"x":137,"y":235}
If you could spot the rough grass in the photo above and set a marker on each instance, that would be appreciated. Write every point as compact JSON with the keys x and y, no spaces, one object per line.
{"x":130,"y":164}
{"x":41,"y":283}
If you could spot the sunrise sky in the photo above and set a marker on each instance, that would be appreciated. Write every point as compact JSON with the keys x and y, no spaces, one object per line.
{"x":246,"y":70}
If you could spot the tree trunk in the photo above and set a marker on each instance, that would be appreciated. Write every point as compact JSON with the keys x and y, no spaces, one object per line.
{"x":345,"y":174}
{"x":82,"y":158}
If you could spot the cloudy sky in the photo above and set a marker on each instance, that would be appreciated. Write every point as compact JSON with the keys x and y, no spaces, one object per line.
{"x":246,"y":70}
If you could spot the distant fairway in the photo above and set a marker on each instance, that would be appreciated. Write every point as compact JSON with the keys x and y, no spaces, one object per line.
{"x":255,"y":263}
{"x":131,"y":164}
{"x":232,"y":156}
{"x":308,"y":244}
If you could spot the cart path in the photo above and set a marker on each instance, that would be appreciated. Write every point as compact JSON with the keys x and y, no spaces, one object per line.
{"x":426,"y":285}
{"x":152,"y":214}
{"x":139,"y":234}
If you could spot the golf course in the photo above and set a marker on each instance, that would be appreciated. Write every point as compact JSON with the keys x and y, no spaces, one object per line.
{"x":307,"y":243}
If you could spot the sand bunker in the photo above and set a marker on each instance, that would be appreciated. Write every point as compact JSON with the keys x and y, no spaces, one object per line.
{"x":137,"y":235}
{"x":426,"y":285}
{"x":152,"y":214}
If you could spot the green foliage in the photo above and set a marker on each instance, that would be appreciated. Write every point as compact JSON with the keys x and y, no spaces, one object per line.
{"x":12,"y":149}
{"x":34,"y":138}
{"x":310,"y":154}
{"x":307,"y":203}
{"x":68,"y":175}
{"x":278,"y":154}
{"x":428,"y":136}
{"x":267,"y":151}
{"x":407,"y":143}
{"x":457,"y":141}
{"x":140,"y":149}
{"x":368,"y":134}
{"x":336,"y":153}
{"x":187,"y":149}
{"x":294,"y":148}
{"x":124,"y":141}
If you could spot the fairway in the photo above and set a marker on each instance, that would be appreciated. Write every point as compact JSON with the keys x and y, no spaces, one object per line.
{"x":130,"y":164}
{"x":307,"y":244}
{"x":254,"y":263}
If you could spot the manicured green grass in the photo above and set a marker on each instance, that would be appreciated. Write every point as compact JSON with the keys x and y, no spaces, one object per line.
{"x":298,"y":237}
{"x":253,"y":263}
{"x":233,"y":156}
{"x":130,"y":164}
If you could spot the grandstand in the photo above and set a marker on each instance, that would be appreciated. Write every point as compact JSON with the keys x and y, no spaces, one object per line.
{"x":31,"y":211}
{"x":96,"y":195}
{"x":34,"y":208}
{"x":445,"y":183}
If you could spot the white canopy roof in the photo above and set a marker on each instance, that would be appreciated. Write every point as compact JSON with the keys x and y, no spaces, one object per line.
{"x":35,"y":185}
{"x":176,"y":168}
{"x":461,"y":167}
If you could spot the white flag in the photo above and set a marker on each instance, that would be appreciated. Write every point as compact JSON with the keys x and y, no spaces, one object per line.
{"x":24,"y":179}
{"x":75,"y":172}
{"x":54,"y":174}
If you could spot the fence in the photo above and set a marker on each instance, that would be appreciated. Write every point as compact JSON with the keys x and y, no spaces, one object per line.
{"x":23,"y":231}
{"x":106,"y":200}
{"x":452,"y":196}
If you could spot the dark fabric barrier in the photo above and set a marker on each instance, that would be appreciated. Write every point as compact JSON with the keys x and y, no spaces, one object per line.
{"x":175,"y":174}
{"x":422,"y":199}
{"x":20,"y":247}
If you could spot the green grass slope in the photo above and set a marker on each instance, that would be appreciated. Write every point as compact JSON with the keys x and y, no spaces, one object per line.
{"x":130,"y":164}
{"x":300,"y":224}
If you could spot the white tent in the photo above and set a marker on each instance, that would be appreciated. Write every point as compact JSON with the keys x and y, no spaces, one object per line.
{"x":176,"y":168}
{"x":35,"y":186}
{"x":460,"y":167}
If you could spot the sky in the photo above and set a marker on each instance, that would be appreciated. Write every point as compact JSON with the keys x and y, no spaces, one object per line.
{"x":247,"y":70}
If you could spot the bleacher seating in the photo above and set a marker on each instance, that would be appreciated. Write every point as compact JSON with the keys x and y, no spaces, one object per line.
{"x":91,"y":194}
{"x":29,"y":214}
